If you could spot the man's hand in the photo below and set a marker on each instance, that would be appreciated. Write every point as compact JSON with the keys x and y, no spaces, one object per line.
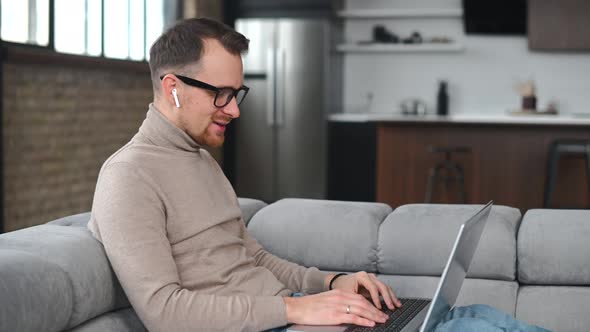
{"x":369,"y":286}
{"x":333,"y":308}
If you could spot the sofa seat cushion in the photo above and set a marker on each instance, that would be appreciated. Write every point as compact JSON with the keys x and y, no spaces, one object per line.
{"x":554,"y":247}
{"x":330,"y":235}
{"x":91,"y":287}
{"x":496,"y":293}
{"x":417,"y":239}
{"x":124,"y":320}
{"x":557,"y":308}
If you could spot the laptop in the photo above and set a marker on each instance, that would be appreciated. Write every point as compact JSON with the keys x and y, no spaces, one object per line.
{"x":424,"y":314}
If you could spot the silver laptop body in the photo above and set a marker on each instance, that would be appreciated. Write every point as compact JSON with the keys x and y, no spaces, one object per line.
{"x":450,"y":282}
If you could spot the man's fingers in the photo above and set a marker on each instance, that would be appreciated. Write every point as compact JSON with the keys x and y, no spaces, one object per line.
{"x":356,"y":320}
{"x":387,"y":293}
{"x":362,"y":307}
{"x":369,"y":285}
{"x":396,"y":301}
{"x":394,"y":298}
{"x":367,"y":311}
{"x":384,"y":290}
{"x":355,"y":309}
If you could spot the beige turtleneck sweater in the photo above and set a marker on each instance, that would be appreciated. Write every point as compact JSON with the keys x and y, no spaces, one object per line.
{"x":172,"y":229}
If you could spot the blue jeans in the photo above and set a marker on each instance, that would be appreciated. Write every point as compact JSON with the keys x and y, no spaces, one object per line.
{"x":476,"y":318}
{"x":483,"y":318}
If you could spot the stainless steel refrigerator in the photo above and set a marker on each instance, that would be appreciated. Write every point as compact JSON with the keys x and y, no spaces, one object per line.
{"x":281,"y":134}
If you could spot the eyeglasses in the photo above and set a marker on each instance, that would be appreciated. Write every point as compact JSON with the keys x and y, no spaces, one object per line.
{"x":223,"y":96}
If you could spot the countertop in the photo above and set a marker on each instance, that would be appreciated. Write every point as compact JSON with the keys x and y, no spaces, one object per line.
{"x":558,"y":120}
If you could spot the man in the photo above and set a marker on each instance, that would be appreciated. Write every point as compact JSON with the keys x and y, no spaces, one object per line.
{"x":172,"y":228}
{"x":170,"y":222}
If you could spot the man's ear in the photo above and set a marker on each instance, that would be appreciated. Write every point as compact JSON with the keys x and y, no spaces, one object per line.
{"x":169,"y":89}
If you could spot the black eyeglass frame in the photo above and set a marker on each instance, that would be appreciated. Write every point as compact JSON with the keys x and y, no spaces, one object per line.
{"x":200,"y":84}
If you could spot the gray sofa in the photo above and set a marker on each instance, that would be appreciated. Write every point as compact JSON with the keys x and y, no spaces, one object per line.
{"x":56,"y":277}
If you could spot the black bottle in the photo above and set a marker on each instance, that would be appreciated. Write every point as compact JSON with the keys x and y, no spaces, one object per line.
{"x":442,"y":99}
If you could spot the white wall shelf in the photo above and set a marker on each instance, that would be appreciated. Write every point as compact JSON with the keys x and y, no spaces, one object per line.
{"x":400,"y":48}
{"x":401,"y":13}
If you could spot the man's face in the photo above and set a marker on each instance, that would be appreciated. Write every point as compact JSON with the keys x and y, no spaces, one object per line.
{"x":199,"y":117}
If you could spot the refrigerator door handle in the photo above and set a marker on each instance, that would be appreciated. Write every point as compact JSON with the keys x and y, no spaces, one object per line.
{"x":281,"y":87}
{"x":271,"y":86}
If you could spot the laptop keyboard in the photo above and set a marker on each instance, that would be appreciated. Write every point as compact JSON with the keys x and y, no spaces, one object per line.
{"x":398,"y":318}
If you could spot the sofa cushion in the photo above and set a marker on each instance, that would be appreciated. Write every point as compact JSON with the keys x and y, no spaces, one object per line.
{"x":249,"y":208}
{"x":124,"y":320}
{"x":554,"y":247}
{"x":76,"y":220}
{"x":417,"y":239}
{"x":35,"y":294}
{"x":92,"y":287}
{"x":330,"y":235}
{"x":496,"y":293}
{"x":557,"y":308}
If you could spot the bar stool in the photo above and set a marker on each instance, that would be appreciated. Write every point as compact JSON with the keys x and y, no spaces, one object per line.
{"x":454,"y":171}
{"x":576,"y":147}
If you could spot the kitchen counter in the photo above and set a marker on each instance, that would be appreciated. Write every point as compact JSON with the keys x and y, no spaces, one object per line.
{"x":506,"y":162}
{"x":560,"y":120}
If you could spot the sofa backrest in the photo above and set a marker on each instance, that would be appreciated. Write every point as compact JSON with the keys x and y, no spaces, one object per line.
{"x":330,"y":235}
{"x":415,"y":242}
{"x":412,"y":240}
{"x":417,"y":239}
{"x":249,"y":208}
{"x":554,"y":269}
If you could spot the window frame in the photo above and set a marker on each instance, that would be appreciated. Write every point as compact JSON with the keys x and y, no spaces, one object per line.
{"x":16,"y":52}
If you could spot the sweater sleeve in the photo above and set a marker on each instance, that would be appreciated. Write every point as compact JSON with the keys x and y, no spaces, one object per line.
{"x":295,"y":277}
{"x":129,"y":218}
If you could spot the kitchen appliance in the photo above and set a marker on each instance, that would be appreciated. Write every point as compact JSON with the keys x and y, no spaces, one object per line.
{"x":413,"y":106}
{"x":280,"y":143}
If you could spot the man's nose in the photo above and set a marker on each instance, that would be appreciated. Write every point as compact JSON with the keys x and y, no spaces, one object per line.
{"x":232,"y":109}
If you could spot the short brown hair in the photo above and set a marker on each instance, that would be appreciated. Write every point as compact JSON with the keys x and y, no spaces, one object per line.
{"x":182,"y":45}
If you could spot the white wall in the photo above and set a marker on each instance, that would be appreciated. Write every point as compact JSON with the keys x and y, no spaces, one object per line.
{"x":482,"y":78}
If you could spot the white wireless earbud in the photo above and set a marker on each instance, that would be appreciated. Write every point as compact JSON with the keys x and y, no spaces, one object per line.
{"x":175,"y":95}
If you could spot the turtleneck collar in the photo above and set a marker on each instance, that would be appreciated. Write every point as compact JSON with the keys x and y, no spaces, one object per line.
{"x":160,"y":131}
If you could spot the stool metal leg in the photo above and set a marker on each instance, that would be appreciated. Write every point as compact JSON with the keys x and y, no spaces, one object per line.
{"x":431,"y":183}
{"x":461,"y":182}
{"x":453,"y":173}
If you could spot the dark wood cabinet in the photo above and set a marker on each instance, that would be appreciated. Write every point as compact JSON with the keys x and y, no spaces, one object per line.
{"x":507,"y":164}
{"x":562,"y":25}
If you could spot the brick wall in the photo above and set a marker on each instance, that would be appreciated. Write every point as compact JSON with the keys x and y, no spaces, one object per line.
{"x":60,"y":124}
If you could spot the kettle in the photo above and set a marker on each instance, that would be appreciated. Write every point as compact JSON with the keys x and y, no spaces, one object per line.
{"x":413,"y":106}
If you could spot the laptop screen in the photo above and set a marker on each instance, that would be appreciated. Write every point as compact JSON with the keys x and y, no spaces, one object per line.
{"x":457,"y":267}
